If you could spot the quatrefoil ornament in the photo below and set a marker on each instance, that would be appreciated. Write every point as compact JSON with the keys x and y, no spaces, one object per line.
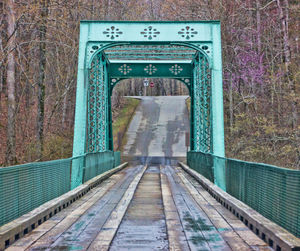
{"x":125,"y":69}
{"x":176,"y":69}
{"x":187,"y":32}
{"x":150,"y":32}
{"x":112,"y":32}
{"x":150,"y":69}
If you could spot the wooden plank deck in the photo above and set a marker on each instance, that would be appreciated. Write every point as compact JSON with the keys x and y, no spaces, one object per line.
{"x":143,"y":208}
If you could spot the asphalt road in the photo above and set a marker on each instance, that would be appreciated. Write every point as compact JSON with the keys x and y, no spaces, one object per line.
{"x":158,"y":127}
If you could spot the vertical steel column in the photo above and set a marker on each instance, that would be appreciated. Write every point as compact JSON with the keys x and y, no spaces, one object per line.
{"x":197,"y":103}
{"x":102,"y":109}
{"x":80,"y":111}
{"x":110,"y":131}
{"x":217,"y":94}
{"x":108,"y":122}
{"x":192,"y":112}
{"x":98,"y":102}
{"x":217,"y":109}
{"x":201,"y":106}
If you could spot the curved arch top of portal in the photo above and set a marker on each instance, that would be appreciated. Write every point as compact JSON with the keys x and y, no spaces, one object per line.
{"x":184,"y":44}
{"x":101,"y":49}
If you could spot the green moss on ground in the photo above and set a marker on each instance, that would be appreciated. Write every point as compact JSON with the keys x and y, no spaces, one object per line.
{"x":122,"y":118}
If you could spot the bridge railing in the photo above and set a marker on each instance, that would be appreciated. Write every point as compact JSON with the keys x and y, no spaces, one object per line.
{"x":96,"y":164}
{"x":272,"y":191}
{"x":25,"y":187}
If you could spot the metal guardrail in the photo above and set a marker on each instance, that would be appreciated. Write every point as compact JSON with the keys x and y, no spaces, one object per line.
{"x":274,"y":235}
{"x":16,"y":229}
{"x":272,"y":191}
{"x":117,"y":158}
{"x":25,"y":187}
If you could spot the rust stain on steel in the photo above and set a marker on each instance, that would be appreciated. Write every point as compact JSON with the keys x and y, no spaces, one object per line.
{"x":143,"y":226}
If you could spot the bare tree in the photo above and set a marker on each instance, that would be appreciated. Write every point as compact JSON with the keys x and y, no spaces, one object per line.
{"x":283,"y":9}
{"x":11,"y":89}
{"x":41,"y":78}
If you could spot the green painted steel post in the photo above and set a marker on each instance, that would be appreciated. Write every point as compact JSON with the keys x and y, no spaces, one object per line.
{"x":110,"y":131}
{"x":80,"y":111}
{"x":192,"y":146}
{"x":217,"y":108}
{"x":107,"y":107}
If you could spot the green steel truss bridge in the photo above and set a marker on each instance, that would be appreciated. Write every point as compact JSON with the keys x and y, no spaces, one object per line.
{"x":93,"y":202}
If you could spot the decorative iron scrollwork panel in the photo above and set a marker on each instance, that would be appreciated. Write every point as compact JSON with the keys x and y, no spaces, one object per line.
{"x":202,"y":106}
{"x":97,"y":106}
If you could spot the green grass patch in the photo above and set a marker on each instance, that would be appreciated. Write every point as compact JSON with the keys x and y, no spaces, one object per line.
{"x":122,"y":118}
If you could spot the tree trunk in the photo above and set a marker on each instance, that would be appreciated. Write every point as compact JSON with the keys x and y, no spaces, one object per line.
{"x":171,"y":85}
{"x":2,"y":34}
{"x":230,"y":107}
{"x":64,"y":111}
{"x":132,"y":83}
{"x":284,"y":17}
{"x":175,"y":87}
{"x":106,"y":10}
{"x":10,"y":82}
{"x":258,"y":26}
{"x":259,"y":35}
{"x":41,"y":78}
{"x":1,"y":68}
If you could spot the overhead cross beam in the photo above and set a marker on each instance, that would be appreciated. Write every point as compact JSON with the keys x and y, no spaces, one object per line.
{"x":153,"y":69}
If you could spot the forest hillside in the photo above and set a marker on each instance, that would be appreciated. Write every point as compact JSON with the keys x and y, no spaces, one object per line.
{"x":38,"y":66}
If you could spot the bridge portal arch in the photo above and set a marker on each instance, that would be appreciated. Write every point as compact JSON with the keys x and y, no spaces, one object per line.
{"x":116,"y":50}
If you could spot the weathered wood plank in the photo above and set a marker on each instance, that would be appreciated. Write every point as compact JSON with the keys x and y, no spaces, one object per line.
{"x":193,"y":230}
{"x":235,"y":224}
{"x":53,"y":234}
{"x":224,"y":228}
{"x":209,"y":231}
{"x":50,"y":224}
{"x":108,"y":231}
{"x":176,"y":236}
{"x":271,"y":231}
{"x":16,"y":227}
{"x":66,"y":235}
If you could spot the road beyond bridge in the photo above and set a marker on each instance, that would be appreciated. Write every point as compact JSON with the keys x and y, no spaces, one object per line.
{"x":158,"y":127}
